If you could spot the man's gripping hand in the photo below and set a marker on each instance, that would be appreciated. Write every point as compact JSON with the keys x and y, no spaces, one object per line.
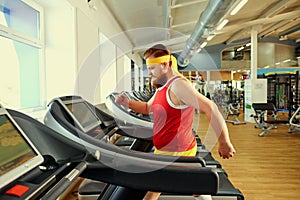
{"x":122,"y":99}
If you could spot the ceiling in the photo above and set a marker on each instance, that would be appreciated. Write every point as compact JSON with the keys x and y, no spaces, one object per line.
{"x":172,"y":22}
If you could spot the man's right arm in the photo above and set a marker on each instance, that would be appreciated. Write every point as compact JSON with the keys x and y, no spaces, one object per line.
{"x":137,"y":106}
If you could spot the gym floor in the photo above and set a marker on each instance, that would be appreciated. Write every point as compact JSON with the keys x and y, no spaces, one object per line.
{"x":264,"y":168}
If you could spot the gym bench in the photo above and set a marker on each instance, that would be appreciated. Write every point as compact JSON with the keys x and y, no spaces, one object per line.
{"x":232,"y":110}
{"x":266,"y":113}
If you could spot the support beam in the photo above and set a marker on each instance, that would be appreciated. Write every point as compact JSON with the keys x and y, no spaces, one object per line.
{"x":295,"y":29}
{"x":262,"y":21}
{"x":275,"y":8}
{"x":174,"y":41}
{"x":254,"y":53}
{"x":184,"y":24}
{"x":236,"y":36}
{"x":188,"y":3}
{"x":272,"y":28}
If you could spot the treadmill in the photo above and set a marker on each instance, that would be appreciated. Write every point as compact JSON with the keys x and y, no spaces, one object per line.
{"x":68,"y":114}
{"x":77,"y":119}
{"x":65,"y":159}
{"x":225,"y":188}
{"x":125,"y":116}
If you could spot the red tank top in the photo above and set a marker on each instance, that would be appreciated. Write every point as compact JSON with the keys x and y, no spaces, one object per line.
{"x":172,"y":127}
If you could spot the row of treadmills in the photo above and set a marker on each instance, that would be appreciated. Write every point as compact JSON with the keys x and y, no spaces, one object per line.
{"x":109,"y":146}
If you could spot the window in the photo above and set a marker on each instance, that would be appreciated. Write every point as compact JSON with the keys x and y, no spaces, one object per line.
{"x":21,"y":47}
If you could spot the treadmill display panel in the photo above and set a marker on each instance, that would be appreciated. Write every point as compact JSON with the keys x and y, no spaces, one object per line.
{"x":83,"y":114}
{"x":17,"y":154}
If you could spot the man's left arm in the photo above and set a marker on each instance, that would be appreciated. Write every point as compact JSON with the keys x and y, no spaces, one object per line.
{"x":191,"y":97}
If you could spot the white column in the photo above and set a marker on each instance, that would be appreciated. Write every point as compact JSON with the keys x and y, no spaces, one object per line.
{"x":136,"y":77}
{"x":255,"y":89}
{"x":208,"y":76}
{"x":254,"y":54}
{"x":209,"y":86}
{"x":141,"y":78}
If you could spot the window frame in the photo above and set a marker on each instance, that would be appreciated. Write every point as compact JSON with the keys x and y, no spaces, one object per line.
{"x":38,"y":43}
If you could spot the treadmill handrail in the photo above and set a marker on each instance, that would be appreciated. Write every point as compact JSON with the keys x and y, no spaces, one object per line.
{"x":146,"y":118}
{"x":171,"y":178}
{"x":65,"y":182}
{"x":167,"y":173}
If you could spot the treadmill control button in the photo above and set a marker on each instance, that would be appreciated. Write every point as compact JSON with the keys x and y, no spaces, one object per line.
{"x":17,"y":190}
{"x":98,"y":130}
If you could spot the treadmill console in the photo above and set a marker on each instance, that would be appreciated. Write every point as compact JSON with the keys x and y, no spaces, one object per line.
{"x":74,"y":116}
{"x":17,"y":154}
{"x":28,"y":168}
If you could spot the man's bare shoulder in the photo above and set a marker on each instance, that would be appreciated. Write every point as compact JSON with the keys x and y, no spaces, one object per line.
{"x":182,"y":86}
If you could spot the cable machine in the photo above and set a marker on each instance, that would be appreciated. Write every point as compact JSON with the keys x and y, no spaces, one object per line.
{"x":283,"y":91}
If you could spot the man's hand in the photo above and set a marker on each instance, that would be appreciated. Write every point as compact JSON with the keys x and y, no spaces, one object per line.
{"x":122,"y":99}
{"x":226,"y":150}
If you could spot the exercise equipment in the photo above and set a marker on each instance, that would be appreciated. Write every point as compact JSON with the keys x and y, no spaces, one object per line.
{"x":142,"y":95}
{"x":125,"y":114}
{"x":266,"y":117}
{"x":75,"y":160}
{"x":63,"y":116}
{"x":139,"y":145}
{"x":283,"y":89}
{"x":68,"y":114}
{"x":232,"y":110}
{"x":136,"y":137}
{"x":295,"y":121}
{"x":60,"y":158}
{"x":137,"y":172}
{"x":17,"y":154}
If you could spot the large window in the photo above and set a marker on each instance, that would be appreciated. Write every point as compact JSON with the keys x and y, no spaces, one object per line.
{"x":21,"y":47}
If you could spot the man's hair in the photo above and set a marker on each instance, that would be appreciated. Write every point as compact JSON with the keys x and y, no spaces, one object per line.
{"x":157,"y":51}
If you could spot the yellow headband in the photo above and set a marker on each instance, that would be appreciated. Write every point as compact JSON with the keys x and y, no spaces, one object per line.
{"x":158,"y":60}
{"x":163,"y":59}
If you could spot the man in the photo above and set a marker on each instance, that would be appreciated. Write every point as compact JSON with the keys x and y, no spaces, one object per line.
{"x":173,"y":107}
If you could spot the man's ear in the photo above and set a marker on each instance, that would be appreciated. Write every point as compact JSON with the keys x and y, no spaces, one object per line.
{"x":165,"y":67}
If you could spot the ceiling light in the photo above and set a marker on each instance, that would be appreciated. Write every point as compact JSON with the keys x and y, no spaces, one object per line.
{"x":283,"y":37}
{"x":203,"y":44}
{"x":241,"y":48}
{"x":195,"y":51}
{"x":222,"y":24}
{"x":92,"y":5}
{"x":210,"y":37}
{"x":248,"y":44}
{"x":238,"y":7}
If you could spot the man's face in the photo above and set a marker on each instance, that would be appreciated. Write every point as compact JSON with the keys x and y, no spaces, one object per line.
{"x":158,"y":74}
